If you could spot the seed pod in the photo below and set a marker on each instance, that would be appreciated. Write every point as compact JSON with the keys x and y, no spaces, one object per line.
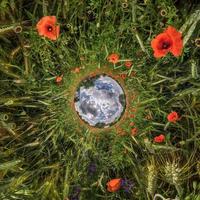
{"x":18,"y":29}
{"x":124,"y":5}
{"x":163,"y":12}
{"x":4,"y":117}
{"x":91,"y":15}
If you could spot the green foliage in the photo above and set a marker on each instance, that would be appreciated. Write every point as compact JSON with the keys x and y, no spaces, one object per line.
{"x":46,"y":152}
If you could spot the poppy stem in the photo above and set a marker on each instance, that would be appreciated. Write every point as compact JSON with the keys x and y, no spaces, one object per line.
{"x":44,"y":7}
{"x":117,"y":67}
{"x":141,"y":42}
{"x":26,"y":63}
{"x":166,"y":126}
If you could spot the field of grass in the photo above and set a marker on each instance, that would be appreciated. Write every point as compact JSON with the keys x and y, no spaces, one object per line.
{"x":47,"y":152}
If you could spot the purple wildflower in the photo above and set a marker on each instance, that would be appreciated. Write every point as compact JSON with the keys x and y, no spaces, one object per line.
{"x":73,"y":198}
{"x":127,"y":185}
{"x":75,"y":194}
{"x":92,"y":168}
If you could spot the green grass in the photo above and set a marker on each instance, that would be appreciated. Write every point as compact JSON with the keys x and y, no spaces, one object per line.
{"x":45,"y":150}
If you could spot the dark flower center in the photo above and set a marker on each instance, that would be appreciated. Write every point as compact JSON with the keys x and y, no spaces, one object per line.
{"x":50,"y":28}
{"x":165,"y":45}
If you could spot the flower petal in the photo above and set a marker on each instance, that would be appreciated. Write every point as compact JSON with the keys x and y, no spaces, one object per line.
{"x":177,"y":40}
{"x":114,"y":185}
{"x":157,"y":44}
{"x":42,"y":27}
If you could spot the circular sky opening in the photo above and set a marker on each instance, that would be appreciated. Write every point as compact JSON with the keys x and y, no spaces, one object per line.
{"x":100,"y":101}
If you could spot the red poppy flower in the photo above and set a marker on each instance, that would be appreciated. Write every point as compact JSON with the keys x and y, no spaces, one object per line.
{"x":47,"y":27}
{"x":159,"y":139}
{"x":113,"y":58}
{"x":123,"y":76}
{"x":114,"y":185}
{"x":128,"y":64}
{"x":134,"y":131}
{"x":172,"y":117}
{"x":59,"y":79}
{"x":168,"y":41}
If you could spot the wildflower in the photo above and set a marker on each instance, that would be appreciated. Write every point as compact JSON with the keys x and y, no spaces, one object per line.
{"x":128,"y":64}
{"x":74,"y":198}
{"x":159,"y":139}
{"x":114,"y":185}
{"x":59,"y":79}
{"x":113,"y":58}
{"x":76,"y":193}
{"x":123,"y":76}
{"x":47,"y":27}
{"x":92,"y":168}
{"x":134,"y":131}
{"x":168,"y":41}
{"x":172,"y":117}
{"x":126,"y":185}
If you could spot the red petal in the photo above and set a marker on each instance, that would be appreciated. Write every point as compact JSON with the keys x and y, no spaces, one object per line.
{"x":159,"y":138}
{"x":177,"y":40}
{"x":159,"y":54}
{"x":42,"y":27}
{"x":156,"y":44}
